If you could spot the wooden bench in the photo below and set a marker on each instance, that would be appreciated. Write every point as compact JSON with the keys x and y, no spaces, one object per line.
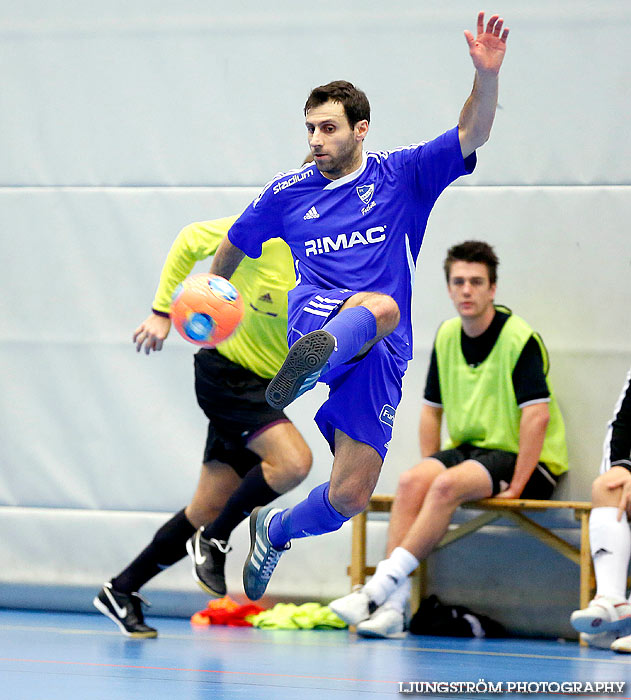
{"x":494,"y":508}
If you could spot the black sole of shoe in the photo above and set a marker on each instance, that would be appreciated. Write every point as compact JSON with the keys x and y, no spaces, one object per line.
{"x":307,"y":355}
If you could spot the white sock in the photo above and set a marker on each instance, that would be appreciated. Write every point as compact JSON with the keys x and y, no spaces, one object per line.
{"x":400,"y":597}
{"x":390,"y":574}
{"x":610,"y":542}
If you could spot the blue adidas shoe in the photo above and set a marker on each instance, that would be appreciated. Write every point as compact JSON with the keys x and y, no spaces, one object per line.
{"x":305,"y":362}
{"x":263,"y":556}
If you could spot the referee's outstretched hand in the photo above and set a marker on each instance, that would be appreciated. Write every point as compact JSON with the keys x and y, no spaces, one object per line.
{"x":152,"y":333}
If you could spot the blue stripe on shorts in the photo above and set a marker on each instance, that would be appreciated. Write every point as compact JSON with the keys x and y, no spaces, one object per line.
{"x":311,"y":307}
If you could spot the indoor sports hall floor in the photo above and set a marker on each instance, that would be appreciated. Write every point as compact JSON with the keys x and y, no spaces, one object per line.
{"x":50,"y":656}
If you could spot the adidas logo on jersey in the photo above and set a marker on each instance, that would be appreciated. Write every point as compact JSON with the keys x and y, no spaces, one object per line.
{"x":266,"y":297}
{"x":311,"y":214}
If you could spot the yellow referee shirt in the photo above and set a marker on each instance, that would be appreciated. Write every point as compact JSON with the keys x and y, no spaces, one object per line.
{"x":260,"y":342}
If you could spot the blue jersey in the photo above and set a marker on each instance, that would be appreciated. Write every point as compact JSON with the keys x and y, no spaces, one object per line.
{"x":361,"y":232}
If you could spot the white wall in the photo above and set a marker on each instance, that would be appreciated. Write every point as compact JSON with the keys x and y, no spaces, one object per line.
{"x":120,"y":122}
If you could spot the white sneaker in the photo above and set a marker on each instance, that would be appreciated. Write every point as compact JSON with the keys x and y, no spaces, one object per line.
{"x":622,"y":644}
{"x":354,"y":607}
{"x":603,"y":614}
{"x":603,"y":640}
{"x":385,"y":622}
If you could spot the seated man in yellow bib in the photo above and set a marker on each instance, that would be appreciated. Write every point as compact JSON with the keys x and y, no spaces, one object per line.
{"x":488,"y":378}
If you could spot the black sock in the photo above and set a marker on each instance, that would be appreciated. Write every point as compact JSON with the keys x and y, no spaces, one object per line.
{"x":253,"y":491}
{"x":167,"y":547}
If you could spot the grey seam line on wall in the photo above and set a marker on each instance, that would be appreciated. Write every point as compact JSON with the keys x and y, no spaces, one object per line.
{"x":131,"y":187}
{"x":257,"y":185}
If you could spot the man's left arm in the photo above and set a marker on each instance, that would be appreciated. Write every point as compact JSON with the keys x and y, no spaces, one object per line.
{"x":532,"y":431}
{"x":487,"y":51}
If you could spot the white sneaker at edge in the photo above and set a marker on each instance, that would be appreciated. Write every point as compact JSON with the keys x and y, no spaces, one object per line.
{"x":622,"y":644}
{"x":385,"y":622}
{"x":602,"y":640}
{"x":353,"y":608}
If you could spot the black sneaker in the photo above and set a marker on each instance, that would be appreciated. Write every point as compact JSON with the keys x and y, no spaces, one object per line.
{"x":125,"y":609}
{"x":209,"y":559}
{"x":301,"y":369}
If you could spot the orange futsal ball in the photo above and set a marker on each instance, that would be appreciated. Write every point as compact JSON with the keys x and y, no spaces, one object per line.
{"x":206,"y":309}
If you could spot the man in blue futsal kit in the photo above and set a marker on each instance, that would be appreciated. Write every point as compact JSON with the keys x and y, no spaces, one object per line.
{"x":354,"y":221}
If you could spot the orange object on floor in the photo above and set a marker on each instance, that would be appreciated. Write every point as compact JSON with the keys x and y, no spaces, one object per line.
{"x":225,"y":611}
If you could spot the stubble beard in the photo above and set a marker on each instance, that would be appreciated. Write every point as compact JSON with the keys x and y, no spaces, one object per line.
{"x":341,"y":165}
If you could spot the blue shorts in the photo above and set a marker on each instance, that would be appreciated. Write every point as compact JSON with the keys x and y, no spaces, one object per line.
{"x":371,"y":385}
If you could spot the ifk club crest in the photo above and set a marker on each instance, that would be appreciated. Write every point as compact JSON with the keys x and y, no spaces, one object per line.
{"x":366,"y":192}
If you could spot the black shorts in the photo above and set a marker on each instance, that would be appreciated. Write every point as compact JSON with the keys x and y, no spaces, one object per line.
{"x":501,"y":466}
{"x":233,"y":399}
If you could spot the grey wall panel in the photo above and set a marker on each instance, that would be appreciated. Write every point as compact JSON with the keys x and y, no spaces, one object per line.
{"x":74,"y":548}
{"x":209,"y":93}
{"x":84,"y":420}
{"x":563,"y":253}
{"x":79,"y":404}
{"x":122,"y":123}
{"x":84,"y":263}
{"x":58,"y":559}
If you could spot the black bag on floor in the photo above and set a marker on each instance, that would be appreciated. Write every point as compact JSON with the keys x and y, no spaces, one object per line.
{"x":435,"y":618}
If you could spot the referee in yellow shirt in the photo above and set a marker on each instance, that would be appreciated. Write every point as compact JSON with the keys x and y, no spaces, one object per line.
{"x":253,"y":452}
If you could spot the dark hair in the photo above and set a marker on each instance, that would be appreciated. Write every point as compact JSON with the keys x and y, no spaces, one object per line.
{"x":474,"y":252}
{"x":354,"y":101}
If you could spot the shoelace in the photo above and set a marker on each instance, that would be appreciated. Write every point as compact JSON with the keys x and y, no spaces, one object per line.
{"x":221,"y":545}
{"x":270,"y":563}
{"x":142,"y":600}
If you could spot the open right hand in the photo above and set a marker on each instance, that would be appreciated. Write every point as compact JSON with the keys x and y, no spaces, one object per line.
{"x":487,"y":49}
{"x":152,"y":333}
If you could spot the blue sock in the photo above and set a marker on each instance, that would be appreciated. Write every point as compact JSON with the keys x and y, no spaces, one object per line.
{"x":313,"y":516}
{"x":352,"y":328}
